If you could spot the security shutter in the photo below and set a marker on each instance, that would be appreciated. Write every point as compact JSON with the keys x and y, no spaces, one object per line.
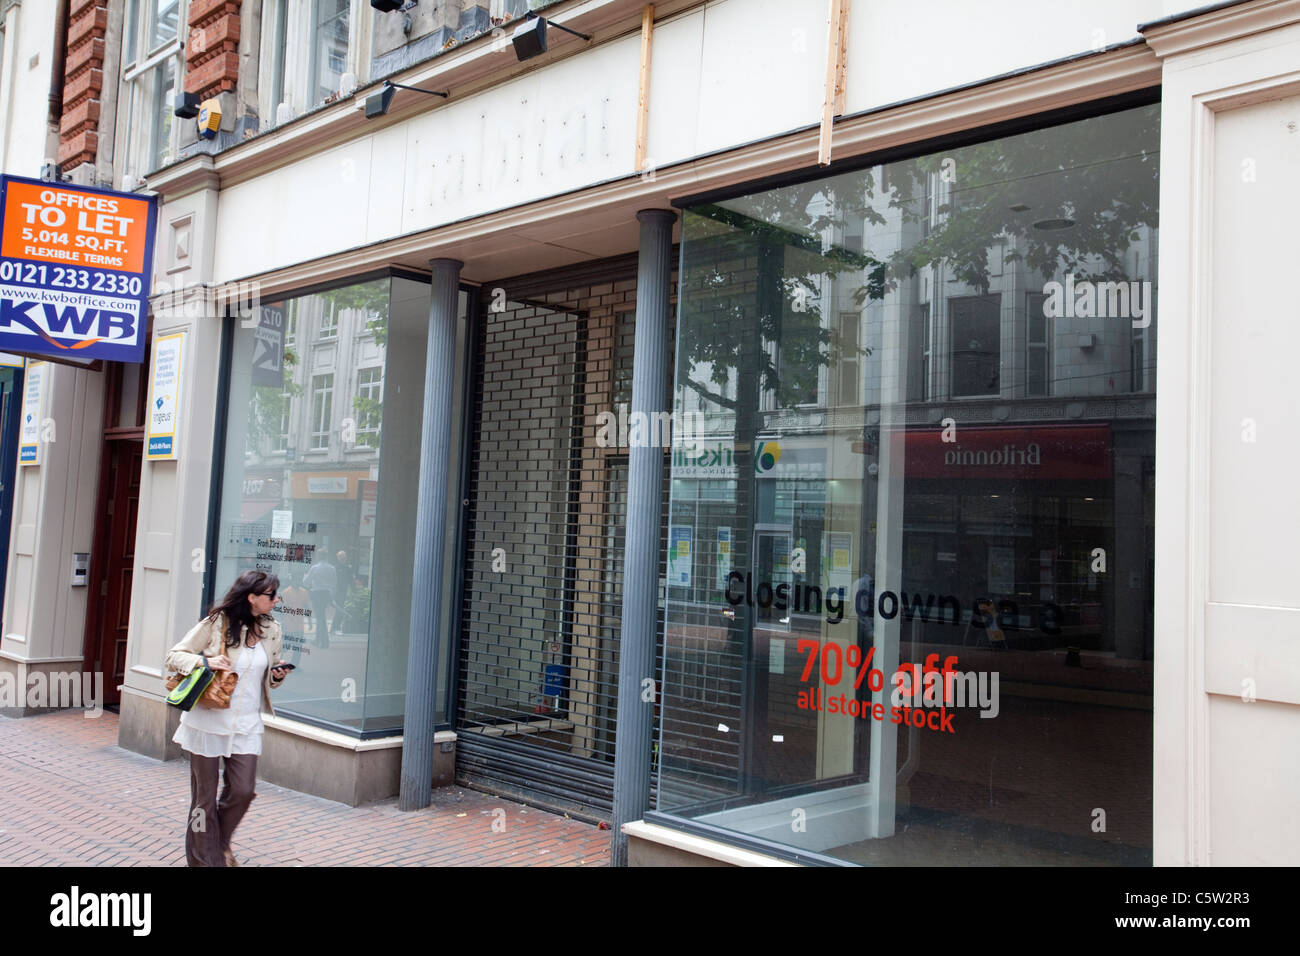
{"x":542,"y":600}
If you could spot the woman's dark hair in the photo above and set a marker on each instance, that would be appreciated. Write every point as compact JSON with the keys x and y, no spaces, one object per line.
{"x":236,"y":607}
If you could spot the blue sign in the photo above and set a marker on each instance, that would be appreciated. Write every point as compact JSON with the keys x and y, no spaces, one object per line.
{"x":554,"y":677}
{"x":76,"y":270}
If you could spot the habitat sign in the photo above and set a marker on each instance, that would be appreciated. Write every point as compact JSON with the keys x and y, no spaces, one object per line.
{"x":75,"y":270}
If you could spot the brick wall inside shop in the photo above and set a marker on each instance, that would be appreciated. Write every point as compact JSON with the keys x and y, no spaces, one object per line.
{"x":83,"y":82}
{"x":545,"y":376}
{"x":212,"y":47}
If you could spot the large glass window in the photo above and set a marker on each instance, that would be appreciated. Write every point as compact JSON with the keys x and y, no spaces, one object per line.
{"x":334,"y":519}
{"x":912,"y":623}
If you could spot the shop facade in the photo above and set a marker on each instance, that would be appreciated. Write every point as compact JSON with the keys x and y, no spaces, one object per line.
{"x":894,"y":590}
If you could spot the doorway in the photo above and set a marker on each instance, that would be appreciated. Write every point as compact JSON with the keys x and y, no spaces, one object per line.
{"x":108,"y":607}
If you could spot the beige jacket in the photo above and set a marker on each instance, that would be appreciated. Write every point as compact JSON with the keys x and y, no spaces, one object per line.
{"x":204,"y":640}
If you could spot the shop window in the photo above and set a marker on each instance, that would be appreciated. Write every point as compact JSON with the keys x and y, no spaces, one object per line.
{"x":894,"y":633}
{"x":322,"y":410}
{"x":338,"y":530}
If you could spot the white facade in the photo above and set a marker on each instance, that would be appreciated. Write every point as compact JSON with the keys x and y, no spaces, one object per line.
{"x":530,"y":166}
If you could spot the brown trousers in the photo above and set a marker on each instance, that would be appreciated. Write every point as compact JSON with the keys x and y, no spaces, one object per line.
{"x":212,"y":822}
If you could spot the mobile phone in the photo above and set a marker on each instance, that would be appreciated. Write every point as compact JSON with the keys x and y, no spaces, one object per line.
{"x":284,"y":667}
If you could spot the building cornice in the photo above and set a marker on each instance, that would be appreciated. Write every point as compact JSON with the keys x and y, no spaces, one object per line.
{"x":1198,"y":30}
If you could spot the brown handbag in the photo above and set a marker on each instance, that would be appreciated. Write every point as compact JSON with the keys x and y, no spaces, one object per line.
{"x":218,"y":693}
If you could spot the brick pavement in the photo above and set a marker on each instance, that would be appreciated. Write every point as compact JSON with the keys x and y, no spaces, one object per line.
{"x":70,"y":796}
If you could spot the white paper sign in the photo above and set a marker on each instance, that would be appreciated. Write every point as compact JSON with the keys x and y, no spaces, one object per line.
{"x":29,"y":433}
{"x":281,"y":524}
{"x":162,"y":431}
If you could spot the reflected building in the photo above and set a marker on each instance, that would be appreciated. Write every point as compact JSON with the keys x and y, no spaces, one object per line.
{"x":931,"y":379}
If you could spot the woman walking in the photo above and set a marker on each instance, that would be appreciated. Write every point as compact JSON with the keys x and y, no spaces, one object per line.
{"x":238,"y":634}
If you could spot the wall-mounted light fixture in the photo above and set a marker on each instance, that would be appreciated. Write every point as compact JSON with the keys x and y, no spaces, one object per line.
{"x":377,"y":103}
{"x":529,"y":37}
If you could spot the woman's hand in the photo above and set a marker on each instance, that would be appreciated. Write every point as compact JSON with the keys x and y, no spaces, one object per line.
{"x":220,"y":663}
{"x":278,"y":672}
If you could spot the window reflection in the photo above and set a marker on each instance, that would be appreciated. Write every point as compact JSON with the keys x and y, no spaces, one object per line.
{"x":317,"y":497}
{"x":916,"y":624}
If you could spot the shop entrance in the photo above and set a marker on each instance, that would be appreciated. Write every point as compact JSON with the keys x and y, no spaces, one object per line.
{"x":537,"y":670}
{"x":113,"y":556}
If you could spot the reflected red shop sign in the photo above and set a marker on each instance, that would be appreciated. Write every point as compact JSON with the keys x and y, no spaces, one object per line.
{"x":1034,"y":451}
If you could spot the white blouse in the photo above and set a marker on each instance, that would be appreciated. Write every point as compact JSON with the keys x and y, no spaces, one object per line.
{"x":237,"y":729}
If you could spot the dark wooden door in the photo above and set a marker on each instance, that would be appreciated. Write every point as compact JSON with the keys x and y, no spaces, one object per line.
{"x":113,"y":589}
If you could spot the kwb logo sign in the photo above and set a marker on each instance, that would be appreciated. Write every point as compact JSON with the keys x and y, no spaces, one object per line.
{"x":68,"y":327}
{"x":75,"y":270}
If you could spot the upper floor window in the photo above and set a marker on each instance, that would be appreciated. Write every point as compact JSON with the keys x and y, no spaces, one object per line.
{"x":307,"y":47}
{"x":329,"y":48}
{"x":368,"y":404}
{"x":976,"y":344}
{"x":1038,"y":336}
{"x":329,"y":320}
{"x":164,"y":21}
{"x":153,"y":54}
{"x":322,"y":411}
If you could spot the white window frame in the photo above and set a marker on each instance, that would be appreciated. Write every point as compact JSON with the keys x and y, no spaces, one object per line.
{"x":329,"y":322}
{"x":295,"y":68}
{"x":322,"y":425}
{"x":373,"y":390}
{"x":281,"y":443}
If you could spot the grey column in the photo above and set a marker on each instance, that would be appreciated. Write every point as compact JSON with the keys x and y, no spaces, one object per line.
{"x":645,"y":475}
{"x":430,"y":537}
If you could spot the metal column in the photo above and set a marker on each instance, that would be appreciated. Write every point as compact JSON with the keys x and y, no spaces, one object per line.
{"x":644,"y":505}
{"x":430,"y":538}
